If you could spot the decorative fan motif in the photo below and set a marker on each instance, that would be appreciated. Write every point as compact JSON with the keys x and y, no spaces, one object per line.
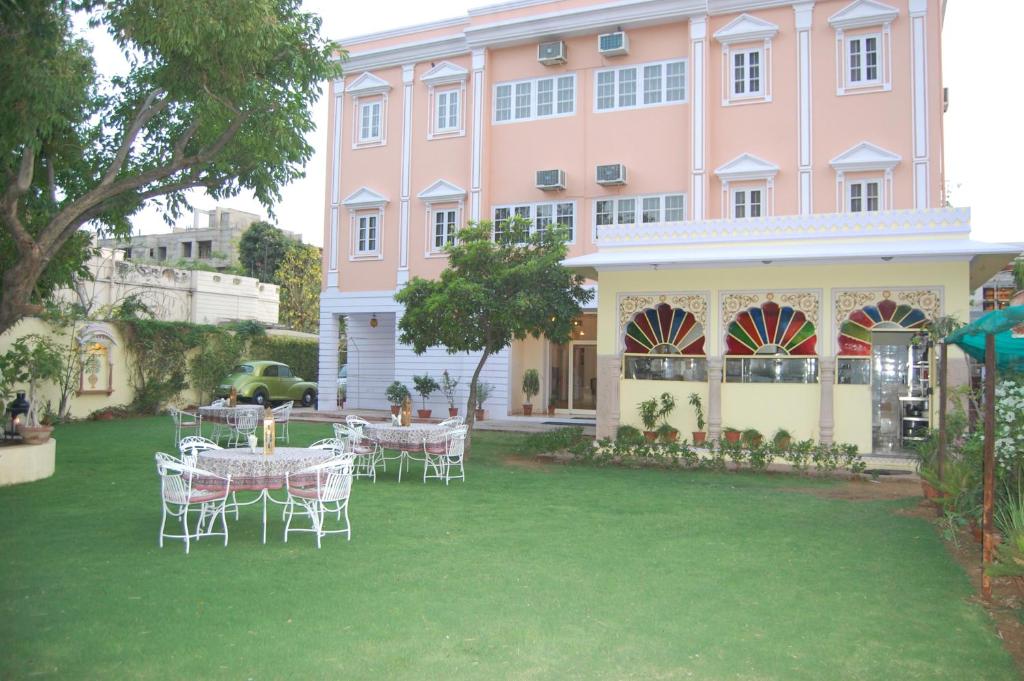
{"x":855,"y":332}
{"x":657,"y":327}
{"x":781,"y":328}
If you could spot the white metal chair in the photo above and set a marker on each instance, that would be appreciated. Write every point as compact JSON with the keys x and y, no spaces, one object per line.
{"x":218,"y":424}
{"x":454,"y":457}
{"x":184,"y":422}
{"x":180,"y":496}
{"x":329,"y":494}
{"x":358,"y":422}
{"x":282,"y":415}
{"x":333,"y":443}
{"x":365,"y":452}
{"x":434,"y":450}
{"x":243,"y":423}
{"x":453,"y":422}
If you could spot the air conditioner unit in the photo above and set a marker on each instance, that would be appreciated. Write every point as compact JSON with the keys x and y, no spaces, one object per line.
{"x":551,"y":53}
{"x":613,"y":173}
{"x":549,"y":180}
{"x":945,"y":99}
{"x":613,"y":44}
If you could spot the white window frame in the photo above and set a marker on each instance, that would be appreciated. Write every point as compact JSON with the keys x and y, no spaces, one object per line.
{"x":862,"y":67}
{"x":883,"y":83}
{"x":764,"y":93}
{"x":360,"y":103}
{"x":529,"y":211}
{"x":450,"y":216}
{"x":748,"y":92}
{"x":357,"y":217}
{"x":746,"y":192}
{"x":444,"y":92}
{"x":531,"y":85}
{"x":619,"y":217}
{"x":863,"y":184}
{"x":639,"y":83}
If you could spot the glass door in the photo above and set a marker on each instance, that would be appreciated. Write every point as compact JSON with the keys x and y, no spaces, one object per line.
{"x":890,"y":372}
{"x":584,"y":377}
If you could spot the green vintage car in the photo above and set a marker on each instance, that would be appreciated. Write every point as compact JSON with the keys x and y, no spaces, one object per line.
{"x":265,"y":382}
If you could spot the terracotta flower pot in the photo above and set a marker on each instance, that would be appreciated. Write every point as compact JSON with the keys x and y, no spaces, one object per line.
{"x":396,"y":409}
{"x":650,"y":435}
{"x":732,"y":436}
{"x":527,"y":410}
{"x":784,"y":443}
{"x":423,"y":413}
{"x":453,"y":411}
{"x":479,"y":414}
{"x":671,"y":436}
{"x":551,"y":410}
{"x":930,"y":492}
{"x":34,"y":435}
{"x":699,"y":437}
{"x":105,"y":416}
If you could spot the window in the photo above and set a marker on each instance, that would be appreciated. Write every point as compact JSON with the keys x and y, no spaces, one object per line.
{"x":531,"y":99}
{"x":653,"y":209}
{"x":447,"y":114}
{"x":863,"y":195}
{"x":270,"y":371}
{"x":771,"y":343}
{"x":128,"y":253}
{"x":604,"y":212}
{"x":161,"y":252}
{"x":746,"y":73}
{"x":862,"y":60}
{"x":186,"y":249}
{"x":284,"y":372}
{"x":444,"y":228}
{"x":746,"y":203}
{"x":664,"y":343}
{"x":626,"y":211}
{"x":675,"y":208}
{"x":205,"y":250}
{"x":225,"y":219}
{"x":369,"y":121}
{"x":541,"y":216}
{"x":366,"y":236}
{"x":651,"y":84}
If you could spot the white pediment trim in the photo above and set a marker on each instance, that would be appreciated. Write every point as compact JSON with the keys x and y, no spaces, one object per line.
{"x":746,"y":167}
{"x":861,"y":14}
{"x":368,"y":84}
{"x":745,"y":28}
{"x":364,"y":197}
{"x":442,"y":190}
{"x":445,"y":72}
{"x":865,"y":156}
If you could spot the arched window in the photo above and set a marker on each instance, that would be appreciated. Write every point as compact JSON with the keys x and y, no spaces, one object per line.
{"x":771,"y":343}
{"x":886,"y":315}
{"x":665,"y":343}
{"x":95,"y":342}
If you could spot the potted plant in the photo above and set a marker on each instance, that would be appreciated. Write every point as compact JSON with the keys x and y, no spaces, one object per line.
{"x":531,"y":388}
{"x":483,"y":391}
{"x":699,"y":436}
{"x":32,"y":359}
{"x":551,"y":403}
{"x":666,"y":433}
{"x":782,"y":439}
{"x":666,"y":405}
{"x":396,"y":394}
{"x":448,"y":386}
{"x":648,"y":410}
{"x":424,"y":385}
{"x":751,"y":437}
{"x":732,"y":435}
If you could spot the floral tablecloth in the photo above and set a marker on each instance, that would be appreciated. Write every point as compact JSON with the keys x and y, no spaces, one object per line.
{"x":407,"y":438}
{"x":220,"y":414}
{"x":254,"y":470}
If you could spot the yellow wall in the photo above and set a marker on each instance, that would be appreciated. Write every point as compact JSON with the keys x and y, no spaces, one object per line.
{"x":768,"y":407}
{"x":853,"y":415}
{"x":632,"y":393}
{"x":529,"y":353}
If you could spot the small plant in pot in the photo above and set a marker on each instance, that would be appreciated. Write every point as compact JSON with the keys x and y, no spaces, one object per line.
{"x":448,"y":386}
{"x":648,"y":410}
{"x":483,"y":391}
{"x":32,"y":359}
{"x":666,"y":405}
{"x":699,"y":436}
{"x":531,"y":388}
{"x":396,"y":394}
{"x":731,"y":434}
{"x":751,"y":437}
{"x":551,"y":403}
{"x":782,"y":439}
{"x":424,"y":385}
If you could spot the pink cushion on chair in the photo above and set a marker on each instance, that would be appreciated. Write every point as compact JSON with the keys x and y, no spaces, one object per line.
{"x":304,"y":493}
{"x":200,"y":497}
{"x":435,"y":447}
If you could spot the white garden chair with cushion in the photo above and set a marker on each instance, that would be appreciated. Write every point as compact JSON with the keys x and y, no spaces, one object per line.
{"x":453,"y":422}
{"x":282,"y":415}
{"x":184,"y":422}
{"x":243,"y":423}
{"x":329,"y":493}
{"x":180,"y":496}
{"x":454,"y":457}
{"x":366,"y":453}
{"x":379,"y":460}
{"x":218,"y":424}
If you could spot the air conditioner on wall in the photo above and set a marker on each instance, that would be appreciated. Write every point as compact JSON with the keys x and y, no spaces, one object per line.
{"x":613,"y":44}
{"x":551,"y":53}
{"x":549,"y":180}
{"x":613,"y":173}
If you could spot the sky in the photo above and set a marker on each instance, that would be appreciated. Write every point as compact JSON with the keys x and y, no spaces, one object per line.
{"x":982,"y":135}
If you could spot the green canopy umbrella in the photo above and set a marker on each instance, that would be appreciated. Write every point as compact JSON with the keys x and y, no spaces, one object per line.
{"x":991,"y":339}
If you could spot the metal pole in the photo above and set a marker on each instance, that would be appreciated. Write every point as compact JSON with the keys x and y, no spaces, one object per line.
{"x":989,"y":465}
{"x":943,"y":375}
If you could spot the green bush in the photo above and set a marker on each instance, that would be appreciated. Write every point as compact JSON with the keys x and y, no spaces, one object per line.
{"x":303,"y":356}
{"x":569,"y":439}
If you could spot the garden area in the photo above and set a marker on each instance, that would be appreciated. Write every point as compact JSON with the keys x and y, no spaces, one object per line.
{"x":525,"y":571}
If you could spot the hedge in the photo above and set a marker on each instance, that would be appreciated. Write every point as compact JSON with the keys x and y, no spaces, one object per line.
{"x":303,"y":356}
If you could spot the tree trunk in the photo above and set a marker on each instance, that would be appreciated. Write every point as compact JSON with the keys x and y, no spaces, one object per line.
{"x":471,"y":403}
{"x":18,"y":284}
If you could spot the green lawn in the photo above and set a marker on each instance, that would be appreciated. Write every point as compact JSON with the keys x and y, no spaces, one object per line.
{"x":521,"y":573}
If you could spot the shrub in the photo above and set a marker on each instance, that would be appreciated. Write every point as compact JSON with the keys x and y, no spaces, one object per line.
{"x":303,"y":356}
{"x":559,"y":440}
{"x":396,"y":393}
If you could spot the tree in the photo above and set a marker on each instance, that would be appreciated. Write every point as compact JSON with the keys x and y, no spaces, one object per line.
{"x":492,"y":292}
{"x":298,"y":277}
{"x":216,"y":97}
{"x":261,"y":250}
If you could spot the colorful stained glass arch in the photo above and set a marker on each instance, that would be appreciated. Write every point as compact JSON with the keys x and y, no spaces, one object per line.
{"x":664,"y":329}
{"x":855,"y":332}
{"x":771,"y":329}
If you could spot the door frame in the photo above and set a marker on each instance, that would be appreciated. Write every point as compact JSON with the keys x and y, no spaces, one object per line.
{"x":571,"y":410}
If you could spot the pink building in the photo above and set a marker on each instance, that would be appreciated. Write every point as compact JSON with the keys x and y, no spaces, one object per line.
{"x":606,"y":115}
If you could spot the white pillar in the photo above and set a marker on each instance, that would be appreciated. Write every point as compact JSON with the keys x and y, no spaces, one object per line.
{"x":698,"y":40}
{"x":408,"y":71}
{"x":826,"y":416}
{"x":335,"y":216}
{"x":479,"y":61}
{"x":804,"y":13}
{"x":714,"y":397}
{"x":327,"y":381}
{"x":919,"y":71}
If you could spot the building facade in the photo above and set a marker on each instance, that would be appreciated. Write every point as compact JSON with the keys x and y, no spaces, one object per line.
{"x":212,"y":239}
{"x":722,"y":157}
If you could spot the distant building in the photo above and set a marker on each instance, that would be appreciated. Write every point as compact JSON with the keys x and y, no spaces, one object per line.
{"x":212,"y":239}
{"x":995,"y":294}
